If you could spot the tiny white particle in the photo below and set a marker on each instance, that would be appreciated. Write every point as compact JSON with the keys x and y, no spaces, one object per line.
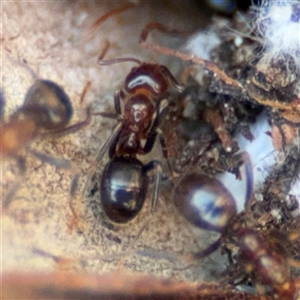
{"x":238,"y":41}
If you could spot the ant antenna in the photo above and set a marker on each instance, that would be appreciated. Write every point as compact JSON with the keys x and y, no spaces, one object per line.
{"x":25,"y":65}
{"x":160,"y":27}
{"x":102,"y":19}
{"x":107,"y":62}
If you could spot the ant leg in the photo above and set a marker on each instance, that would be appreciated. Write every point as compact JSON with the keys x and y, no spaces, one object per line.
{"x":209,"y":250}
{"x":110,"y":141}
{"x":12,"y":191}
{"x":249,"y":179}
{"x":63,"y":263}
{"x":155,"y":130}
{"x":71,"y":129}
{"x":62,"y":164}
{"x":109,"y":145}
{"x":59,"y":163}
{"x":106,"y":62}
{"x":75,"y":127}
{"x":117,"y":101}
{"x":91,"y":170}
{"x":164,"y":149}
{"x":85,"y":89}
{"x":180,"y":87}
{"x":154,"y":166}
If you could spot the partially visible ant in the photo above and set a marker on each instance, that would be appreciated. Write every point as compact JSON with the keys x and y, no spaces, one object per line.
{"x":46,"y":111}
{"x":263,"y":262}
{"x":207,"y":204}
{"x":125,"y":178}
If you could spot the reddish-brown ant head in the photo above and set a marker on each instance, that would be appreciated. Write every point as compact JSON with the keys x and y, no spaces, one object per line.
{"x":150,"y":78}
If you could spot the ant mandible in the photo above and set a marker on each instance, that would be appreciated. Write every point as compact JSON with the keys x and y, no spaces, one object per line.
{"x":125,"y":178}
{"x":46,"y":111}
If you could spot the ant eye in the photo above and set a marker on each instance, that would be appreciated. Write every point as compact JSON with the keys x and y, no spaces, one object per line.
{"x":204,"y":202}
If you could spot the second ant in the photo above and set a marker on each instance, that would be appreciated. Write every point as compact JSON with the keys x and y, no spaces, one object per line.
{"x":46,"y":111}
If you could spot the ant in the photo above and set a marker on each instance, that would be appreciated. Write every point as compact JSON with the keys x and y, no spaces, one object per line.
{"x":125,"y":178}
{"x":46,"y":111}
{"x":207,"y":204}
{"x":263,"y":260}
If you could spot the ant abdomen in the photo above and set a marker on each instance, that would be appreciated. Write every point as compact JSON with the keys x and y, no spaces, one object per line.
{"x":204,"y":202}
{"x":123,"y":188}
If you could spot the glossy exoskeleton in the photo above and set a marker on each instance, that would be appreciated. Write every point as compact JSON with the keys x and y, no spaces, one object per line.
{"x":46,"y":111}
{"x":207,"y":204}
{"x":125,"y":178}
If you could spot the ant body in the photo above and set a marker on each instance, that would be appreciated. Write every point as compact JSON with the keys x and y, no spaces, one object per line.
{"x":264,"y":261}
{"x":125,"y":178}
{"x":46,"y":111}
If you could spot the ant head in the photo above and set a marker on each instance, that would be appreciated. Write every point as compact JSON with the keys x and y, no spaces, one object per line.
{"x":49,"y":104}
{"x":148,"y":78}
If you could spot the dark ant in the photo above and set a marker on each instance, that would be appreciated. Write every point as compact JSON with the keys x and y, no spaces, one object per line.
{"x":125,"y":178}
{"x":207,"y":204}
{"x":263,"y":261}
{"x":46,"y":111}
